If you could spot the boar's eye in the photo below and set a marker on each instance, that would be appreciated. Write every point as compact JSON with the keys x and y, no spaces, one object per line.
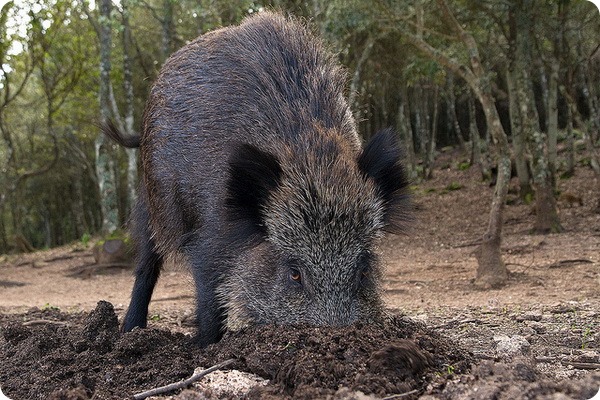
{"x":295,"y":276}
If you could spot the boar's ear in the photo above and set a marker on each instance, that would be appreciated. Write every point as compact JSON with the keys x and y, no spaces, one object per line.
{"x":253,"y":174}
{"x":380,"y":161}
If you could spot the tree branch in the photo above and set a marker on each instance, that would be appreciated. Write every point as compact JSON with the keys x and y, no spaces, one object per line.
{"x":181,"y":384}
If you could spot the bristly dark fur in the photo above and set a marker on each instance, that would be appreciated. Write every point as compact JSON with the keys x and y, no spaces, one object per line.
{"x":253,"y":171}
{"x":253,"y":174}
{"x":380,"y":160}
{"x":110,"y":130}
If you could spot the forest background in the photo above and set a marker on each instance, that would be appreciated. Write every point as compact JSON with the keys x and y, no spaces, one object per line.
{"x":506,"y":82}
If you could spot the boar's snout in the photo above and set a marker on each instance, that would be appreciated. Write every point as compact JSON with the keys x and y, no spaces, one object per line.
{"x":334,"y":312}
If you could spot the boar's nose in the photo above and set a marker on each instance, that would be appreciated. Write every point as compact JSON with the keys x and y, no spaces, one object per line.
{"x":335,"y":312}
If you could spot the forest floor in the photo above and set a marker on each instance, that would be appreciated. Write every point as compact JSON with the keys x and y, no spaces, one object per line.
{"x":537,"y":337}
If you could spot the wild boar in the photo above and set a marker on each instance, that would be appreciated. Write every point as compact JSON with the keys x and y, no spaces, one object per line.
{"x":253,"y":171}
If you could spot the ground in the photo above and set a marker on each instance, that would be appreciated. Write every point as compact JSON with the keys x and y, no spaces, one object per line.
{"x":537,"y":337}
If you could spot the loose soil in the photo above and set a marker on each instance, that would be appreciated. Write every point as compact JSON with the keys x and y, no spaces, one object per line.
{"x":537,"y":337}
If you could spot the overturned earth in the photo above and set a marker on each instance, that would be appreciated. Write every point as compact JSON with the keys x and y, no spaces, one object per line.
{"x":48,"y":354}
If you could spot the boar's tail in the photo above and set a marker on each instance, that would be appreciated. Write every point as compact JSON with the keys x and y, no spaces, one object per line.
{"x":110,"y":130}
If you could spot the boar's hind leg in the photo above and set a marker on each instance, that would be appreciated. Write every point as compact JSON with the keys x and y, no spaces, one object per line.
{"x":148,"y":268}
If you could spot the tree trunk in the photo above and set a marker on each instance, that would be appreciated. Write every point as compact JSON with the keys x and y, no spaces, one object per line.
{"x":452,"y":118}
{"x":79,"y":207}
{"x":3,"y":235}
{"x":547,"y":219}
{"x":129,"y":107}
{"x":353,"y":96}
{"x":416,"y":109}
{"x":403,"y":126}
{"x":491,"y":271}
{"x":518,"y":140}
{"x":553,"y":121}
{"x":104,"y":162}
{"x":570,"y":171}
{"x":168,"y":29}
{"x":587,"y":87}
{"x":430,"y":156}
{"x":518,"y":134}
{"x":474,"y":136}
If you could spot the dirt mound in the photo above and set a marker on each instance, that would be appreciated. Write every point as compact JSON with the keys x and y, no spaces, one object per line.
{"x":47,"y":354}
{"x":80,"y":356}
{"x":309,"y":362}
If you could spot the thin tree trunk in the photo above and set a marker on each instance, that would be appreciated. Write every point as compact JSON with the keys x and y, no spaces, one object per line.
{"x":518,"y":140}
{"x":79,"y":207}
{"x":403,"y":126}
{"x":518,"y":134}
{"x":168,"y":29}
{"x":104,"y":162}
{"x":431,"y":145}
{"x":474,"y":136}
{"x":584,"y":81}
{"x":545,"y":91}
{"x":416,"y":105}
{"x":129,"y":107}
{"x":3,"y":235}
{"x":491,"y":270}
{"x":547,"y":219}
{"x":451,"y":98}
{"x":353,"y":96}
{"x":436,"y":114}
{"x":553,"y":121}
{"x":570,"y":171}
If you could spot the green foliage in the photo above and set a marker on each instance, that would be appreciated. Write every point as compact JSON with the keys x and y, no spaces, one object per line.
{"x":587,"y":336}
{"x":529,"y":198}
{"x":453,"y":186}
{"x":49,"y":307}
{"x":118,"y":234}
{"x":85,"y":239}
{"x":155,"y":317}
{"x":464,"y":165}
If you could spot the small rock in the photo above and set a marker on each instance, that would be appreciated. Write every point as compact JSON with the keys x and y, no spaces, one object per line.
{"x":538,"y":327}
{"x":509,"y":347}
{"x":587,"y":356}
{"x":533,"y":316}
{"x":529,"y":316}
{"x":228,"y":384}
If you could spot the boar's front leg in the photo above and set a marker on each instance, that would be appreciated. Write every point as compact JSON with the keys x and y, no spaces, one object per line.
{"x":149,"y":264}
{"x":210,"y":313}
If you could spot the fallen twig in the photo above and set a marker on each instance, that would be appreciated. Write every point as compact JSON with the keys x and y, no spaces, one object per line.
{"x":581,"y":365}
{"x":566,"y":363}
{"x":36,"y":322}
{"x":66,"y":257}
{"x":397,"y":396}
{"x":566,"y":263}
{"x":182,"y":384}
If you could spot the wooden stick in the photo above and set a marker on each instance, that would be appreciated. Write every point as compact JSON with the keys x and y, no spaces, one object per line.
{"x":182,"y":384}
{"x":36,"y":322}
{"x":581,"y":365}
{"x":400,"y":395}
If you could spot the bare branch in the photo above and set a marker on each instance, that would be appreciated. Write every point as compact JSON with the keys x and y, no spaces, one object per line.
{"x":182,"y":384}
